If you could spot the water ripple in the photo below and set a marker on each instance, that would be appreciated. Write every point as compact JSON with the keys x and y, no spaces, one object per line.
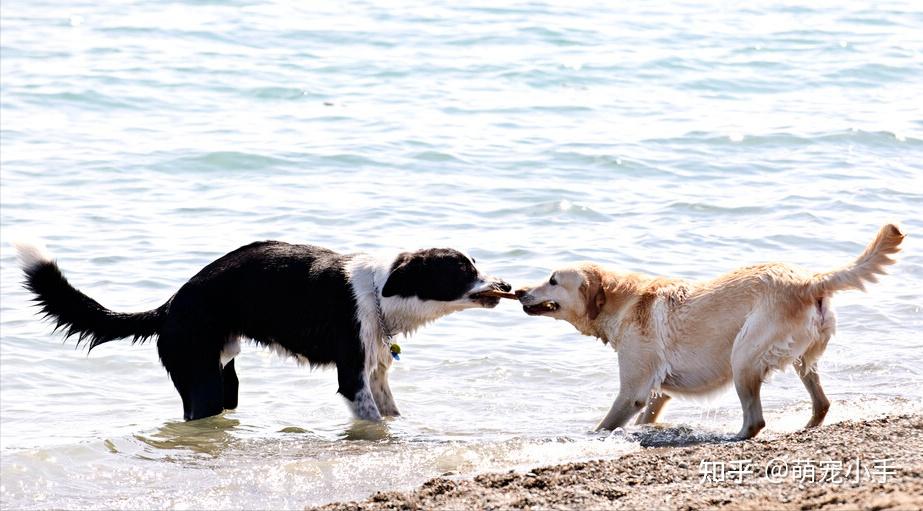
{"x":141,"y":141}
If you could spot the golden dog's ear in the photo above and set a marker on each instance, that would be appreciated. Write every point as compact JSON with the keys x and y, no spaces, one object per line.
{"x":593,"y":292}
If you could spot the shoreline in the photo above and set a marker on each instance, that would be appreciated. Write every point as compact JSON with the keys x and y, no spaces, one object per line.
{"x":865,"y":464}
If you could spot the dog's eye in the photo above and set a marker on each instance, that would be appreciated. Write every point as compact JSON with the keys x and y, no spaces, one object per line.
{"x":552,"y":281}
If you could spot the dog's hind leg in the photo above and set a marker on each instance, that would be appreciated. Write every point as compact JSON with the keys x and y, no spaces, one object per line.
{"x":196,"y":374}
{"x":654,"y":406}
{"x":748,"y":381}
{"x":206,"y":396}
{"x":230,"y":382}
{"x":203,"y":393}
{"x":819,"y":400}
{"x":806,"y":365}
{"x":751,"y":359}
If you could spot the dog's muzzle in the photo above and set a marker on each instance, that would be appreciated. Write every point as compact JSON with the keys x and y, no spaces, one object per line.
{"x":490,"y":296}
{"x":532,"y":308}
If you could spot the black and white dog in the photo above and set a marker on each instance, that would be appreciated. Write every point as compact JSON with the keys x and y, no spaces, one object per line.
{"x":322,"y":307}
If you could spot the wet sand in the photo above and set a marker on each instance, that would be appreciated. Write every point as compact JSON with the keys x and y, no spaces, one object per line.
{"x":815,"y":469}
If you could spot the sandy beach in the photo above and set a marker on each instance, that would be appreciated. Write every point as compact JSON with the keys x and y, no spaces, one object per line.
{"x":141,"y":141}
{"x":871,"y":464}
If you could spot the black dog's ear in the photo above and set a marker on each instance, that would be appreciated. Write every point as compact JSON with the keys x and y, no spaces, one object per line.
{"x":397,"y":283}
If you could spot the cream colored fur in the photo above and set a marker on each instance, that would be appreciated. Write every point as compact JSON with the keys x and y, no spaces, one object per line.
{"x":676,"y":337}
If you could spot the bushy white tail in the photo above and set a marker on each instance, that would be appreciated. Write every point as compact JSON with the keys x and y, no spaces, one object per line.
{"x":865,"y":268}
{"x":76,"y":313}
{"x":31,"y":253}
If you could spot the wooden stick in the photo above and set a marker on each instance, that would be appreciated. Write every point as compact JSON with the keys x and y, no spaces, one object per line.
{"x":498,"y":294}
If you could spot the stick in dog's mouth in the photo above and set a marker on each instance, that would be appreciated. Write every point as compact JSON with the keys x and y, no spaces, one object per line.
{"x":539,"y":308}
{"x":494,"y":293}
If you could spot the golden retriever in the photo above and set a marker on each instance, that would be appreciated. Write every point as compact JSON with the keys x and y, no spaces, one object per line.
{"x":676,"y":337}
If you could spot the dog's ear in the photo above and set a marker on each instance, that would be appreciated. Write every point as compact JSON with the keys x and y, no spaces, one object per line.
{"x":593,"y":292}
{"x":397,"y":283}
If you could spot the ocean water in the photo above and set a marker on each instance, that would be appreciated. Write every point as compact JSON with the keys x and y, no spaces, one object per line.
{"x":141,"y":140}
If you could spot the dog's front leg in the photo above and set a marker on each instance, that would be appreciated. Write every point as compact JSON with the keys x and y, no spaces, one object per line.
{"x":636,"y":373}
{"x":654,"y":406}
{"x":364,"y":404}
{"x":354,"y":386}
{"x":626,"y":405}
{"x":381,"y":391}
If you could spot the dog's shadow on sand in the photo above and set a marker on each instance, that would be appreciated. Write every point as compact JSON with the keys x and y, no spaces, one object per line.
{"x":675,"y":435}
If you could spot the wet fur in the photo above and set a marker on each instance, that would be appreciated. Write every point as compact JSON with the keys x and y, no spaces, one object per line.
{"x":304,"y":301}
{"x":677,"y":337}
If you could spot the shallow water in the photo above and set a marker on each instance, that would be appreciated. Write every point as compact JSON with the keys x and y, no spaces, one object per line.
{"x":141,"y":140}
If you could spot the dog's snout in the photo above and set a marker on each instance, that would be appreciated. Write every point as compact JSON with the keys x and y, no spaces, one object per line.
{"x":504,"y":286}
{"x":521,"y":292}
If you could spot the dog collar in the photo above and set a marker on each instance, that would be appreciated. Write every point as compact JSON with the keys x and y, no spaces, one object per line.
{"x":386,"y":335}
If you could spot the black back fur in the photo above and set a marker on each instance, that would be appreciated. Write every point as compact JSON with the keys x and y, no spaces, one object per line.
{"x":299,"y":297}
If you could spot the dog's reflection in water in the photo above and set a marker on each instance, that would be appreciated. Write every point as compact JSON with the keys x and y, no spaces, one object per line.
{"x":367,"y":430}
{"x":208,"y":436}
{"x":213,"y":435}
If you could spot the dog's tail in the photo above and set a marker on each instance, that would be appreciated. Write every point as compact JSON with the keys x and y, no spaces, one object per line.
{"x":76,"y":313}
{"x":865,"y":268}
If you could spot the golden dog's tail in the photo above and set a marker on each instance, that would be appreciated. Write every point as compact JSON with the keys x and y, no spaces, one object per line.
{"x":865,"y":268}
